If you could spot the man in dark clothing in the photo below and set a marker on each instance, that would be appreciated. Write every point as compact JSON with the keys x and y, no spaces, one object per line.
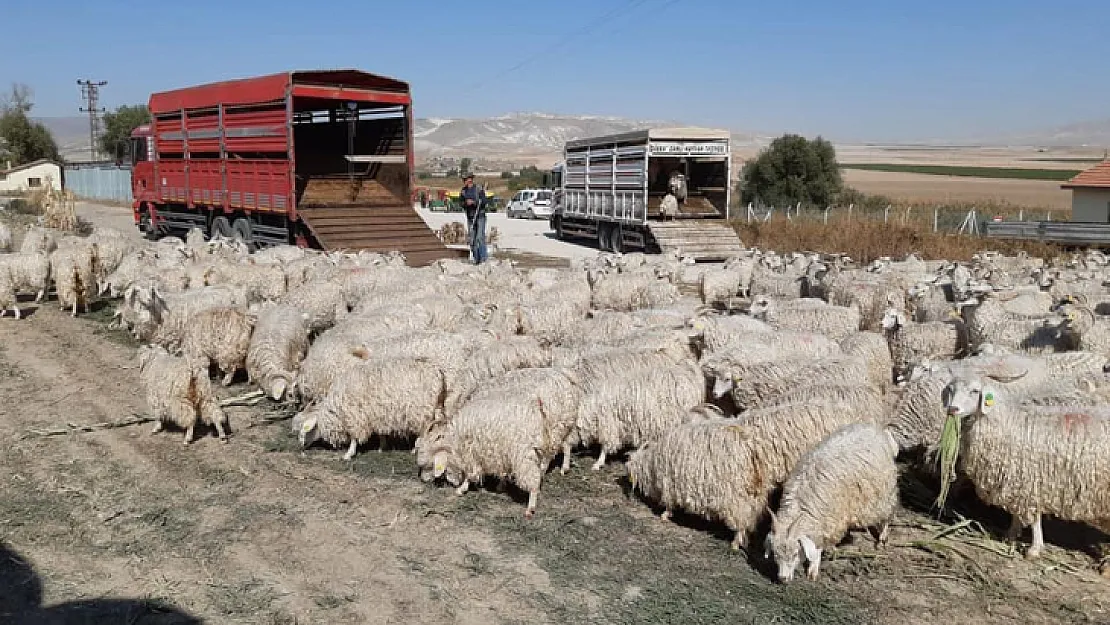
{"x":474,"y":203}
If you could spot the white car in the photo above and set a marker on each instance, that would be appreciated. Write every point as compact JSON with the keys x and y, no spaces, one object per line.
{"x":530,"y":203}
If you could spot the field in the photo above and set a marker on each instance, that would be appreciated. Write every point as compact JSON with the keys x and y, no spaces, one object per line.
{"x":1033,"y":194}
{"x":136,"y":528}
{"x":1009,"y":173}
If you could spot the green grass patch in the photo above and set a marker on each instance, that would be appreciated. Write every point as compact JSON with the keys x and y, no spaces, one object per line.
{"x":1013,"y":173}
{"x":1090,"y":160}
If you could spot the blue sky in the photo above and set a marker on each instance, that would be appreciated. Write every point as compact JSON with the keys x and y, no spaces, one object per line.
{"x":848,"y":69}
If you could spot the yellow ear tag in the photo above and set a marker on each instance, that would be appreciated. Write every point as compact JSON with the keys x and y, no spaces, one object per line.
{"x":440,"y":466}
{"x":988,"y":399}
{"x":307,"y":426}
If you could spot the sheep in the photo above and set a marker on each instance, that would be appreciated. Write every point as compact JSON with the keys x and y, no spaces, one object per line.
{"x":6,"y":241}
{"x":929,"y":301}
{"x":848,"y":481}
{"x":629,"y":398}
{"x":399,"y":398}
{"x":178,"y":391}
{"x":74,"y":276}
{"x":716,"y":333}
{"x":279,"y":254}
{"x":765,"y":281}
{"x":836,"y":322}
{"x":8,"y":298}
{"x":38,"y":239}
{"x":751,"y":381}
{"x":874,"y":351}
{"x":323,"y":302}
{"x":28,"y":272}
{"x":277,"y":346}
{"x":1084,"y":330}
{"x":625,"y":292}
{"x":1031,"y":461}
{"x":220,"y":336}
{"x":111,"y":248}
{"x":499,"y":357}
{"x":512,"y":428}
{"x":718,"y":285}
{"x":989,"y":322}
{"x":262,"y":282}
{"x":911,"y":342}
{"x":725,"y":469}
{"x":163,"y":317}
{"x":864,"y":402}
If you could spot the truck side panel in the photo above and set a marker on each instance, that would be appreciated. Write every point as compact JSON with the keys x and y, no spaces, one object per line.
{"x":608,"y":183}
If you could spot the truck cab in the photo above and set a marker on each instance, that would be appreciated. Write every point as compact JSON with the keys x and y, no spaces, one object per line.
{"x":142,"y":175}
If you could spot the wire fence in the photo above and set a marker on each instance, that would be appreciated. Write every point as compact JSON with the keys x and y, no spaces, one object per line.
{"x":951,"y":219}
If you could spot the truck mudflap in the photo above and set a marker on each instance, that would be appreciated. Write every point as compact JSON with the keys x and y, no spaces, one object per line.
{"x":704,"y":240}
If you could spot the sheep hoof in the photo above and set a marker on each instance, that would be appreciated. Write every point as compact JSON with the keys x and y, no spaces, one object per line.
{"x":597,"y":466}
{"x":1033,"y":553}
{"x":529,"y":514}
{"x":666,"y":516}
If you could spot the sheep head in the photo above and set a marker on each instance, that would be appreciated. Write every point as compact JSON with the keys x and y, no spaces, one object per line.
{"x":893,"y":319}
{"x":968,"y":396}
{"x":760,"y":307}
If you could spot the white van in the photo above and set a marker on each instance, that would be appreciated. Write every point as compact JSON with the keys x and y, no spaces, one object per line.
{"x":530,"y":203}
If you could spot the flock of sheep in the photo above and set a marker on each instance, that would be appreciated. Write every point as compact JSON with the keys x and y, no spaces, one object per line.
{"x":799,"y":374}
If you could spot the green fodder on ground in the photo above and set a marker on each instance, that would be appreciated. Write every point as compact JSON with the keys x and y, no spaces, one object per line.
{"x":864,"y":240}
{"x":1012,"y":173}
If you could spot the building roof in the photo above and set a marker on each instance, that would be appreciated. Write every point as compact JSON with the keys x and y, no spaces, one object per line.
{"x":1097,"y":177}
{"x":41,"y":161}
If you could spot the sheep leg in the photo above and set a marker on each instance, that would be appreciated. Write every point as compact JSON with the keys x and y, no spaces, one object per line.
{"x":158,"y":426}
{"x":600,"y":461}
{"x":737,"y":541}
{"x":883,"y":534}
{"x":666,"y":515}
{"x":352,"y":449}
{"x":1014,"y":532}
{"x":189,"y":434}
{"x":229,"y":377}
{"x":41,"y":294}
{"x":220,"y":430}
{"x":813,"y":566}
{"x":74,"y":313}
{"x":461,"y":490}
{"x":530,"y":512}
{"x":1038,"y":540}
{"x":566,"y":459}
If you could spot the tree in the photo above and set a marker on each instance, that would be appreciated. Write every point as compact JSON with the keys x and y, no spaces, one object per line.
{"x":793,"y":169}
{"x":464,"y":166}
{"x":118,"y":125}
{"x":22,"y":140}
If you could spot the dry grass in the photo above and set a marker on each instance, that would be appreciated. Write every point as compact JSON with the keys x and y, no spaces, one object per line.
{"x":867,"y":239}
{"x":452,"y":233}
{"x":60,"y":211}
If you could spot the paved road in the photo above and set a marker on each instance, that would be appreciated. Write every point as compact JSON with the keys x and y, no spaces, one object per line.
{"x":516,"y":235}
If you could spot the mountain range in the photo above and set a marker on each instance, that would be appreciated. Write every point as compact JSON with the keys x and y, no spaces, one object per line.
{"x":537,"y":137}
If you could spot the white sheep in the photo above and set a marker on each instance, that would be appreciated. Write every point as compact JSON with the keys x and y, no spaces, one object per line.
{"x":162,"y":318}
{"x":873,"y":350}
{"x":220,"y":336}
{"x":29,"y":272}
{"x":262,"y":282}
{"x":74,"y":272}
{"x":325,"y":303}
{"x":6,"y":241}
{"x":389,"y":398}
{"x":178,"y":392}
{"x":277,"y":346}
{"x":632,"y":291}
{"x":8,"y":297}
{"x":848,"y":481}
{"x":512,"y":428}
{"x":499,"y":357}
{"x":630,"y":396}
{"x":1031,"y":461}
{"x":38,"y":239}
{"x":836,"y":322}
{"x":752,"y":381}
{"x":912,"y":342}
{"x":718,"y":285}
{"x":726,"y":469}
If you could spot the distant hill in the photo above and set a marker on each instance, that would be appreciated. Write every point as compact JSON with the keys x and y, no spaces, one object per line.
{"x":1093,"y":133}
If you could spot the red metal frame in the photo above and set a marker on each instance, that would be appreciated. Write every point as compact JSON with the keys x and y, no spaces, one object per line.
{"x":247,"y":116}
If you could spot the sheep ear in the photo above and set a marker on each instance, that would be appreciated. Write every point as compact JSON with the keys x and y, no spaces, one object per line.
{"x":810,"y":549}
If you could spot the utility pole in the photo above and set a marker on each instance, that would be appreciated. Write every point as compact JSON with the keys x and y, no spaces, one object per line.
{"x":90,"y":93}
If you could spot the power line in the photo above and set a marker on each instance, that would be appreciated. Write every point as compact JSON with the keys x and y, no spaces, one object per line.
{"x":90,"y":93}
{"x":582,"y":30}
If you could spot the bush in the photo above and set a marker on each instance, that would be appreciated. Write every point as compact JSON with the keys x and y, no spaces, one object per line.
{"x":793,"y":169}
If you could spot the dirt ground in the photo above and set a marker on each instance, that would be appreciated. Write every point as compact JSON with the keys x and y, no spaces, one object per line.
{"x":941,"y":189}
{"x":255,"y":531}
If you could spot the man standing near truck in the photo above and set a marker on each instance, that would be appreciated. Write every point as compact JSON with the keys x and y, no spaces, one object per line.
{"x":474,"y":203}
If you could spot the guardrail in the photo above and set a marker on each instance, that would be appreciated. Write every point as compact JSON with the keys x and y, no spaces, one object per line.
{"x":1065,"y":232}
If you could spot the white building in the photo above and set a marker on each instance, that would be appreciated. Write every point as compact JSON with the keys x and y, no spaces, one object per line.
{"x":31,"y":176}
{"x":1090,"y":194}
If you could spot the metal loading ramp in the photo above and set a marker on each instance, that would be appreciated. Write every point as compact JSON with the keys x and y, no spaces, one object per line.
{"x":376,"y":229}
{"x":708,"y":240}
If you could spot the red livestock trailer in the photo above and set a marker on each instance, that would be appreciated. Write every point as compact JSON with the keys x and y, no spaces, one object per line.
{"x":318,"y":159}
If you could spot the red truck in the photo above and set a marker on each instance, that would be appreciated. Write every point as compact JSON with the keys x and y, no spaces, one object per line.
{"x":319,"y":159}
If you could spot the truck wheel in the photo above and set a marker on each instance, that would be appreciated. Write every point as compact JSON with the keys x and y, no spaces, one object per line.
{"x":150,"y":233}
{"x":241,"y":230}
{"x":220,"y":227}
{"x":616,"y":239}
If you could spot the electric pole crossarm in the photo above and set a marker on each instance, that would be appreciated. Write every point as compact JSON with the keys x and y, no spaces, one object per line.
{"x":90,"y":93}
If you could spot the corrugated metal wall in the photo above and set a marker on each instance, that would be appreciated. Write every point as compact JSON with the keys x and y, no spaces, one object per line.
{"x":99,"y":181}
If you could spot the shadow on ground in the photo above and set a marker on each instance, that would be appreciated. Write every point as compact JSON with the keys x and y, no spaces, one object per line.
{"x":21,"y":596}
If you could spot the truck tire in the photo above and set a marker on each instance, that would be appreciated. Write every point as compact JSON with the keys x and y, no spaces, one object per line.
{"x":146,"y":223}
{"x":616,"y":239}
{"x":241,"y":230}
{"x":603,"y":241}
{"x":220,"y":227}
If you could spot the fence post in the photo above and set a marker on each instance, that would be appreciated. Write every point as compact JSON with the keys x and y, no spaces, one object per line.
{"x":767,"y":217}
{"x":827,"y":214}
{"x":850,"y":211}
{"x":936,"y":218}
{"x":886,"y":214}
{"x":1021,"y":214}
{"x":749,"y":212}
{"x":1048,"y":216}
{"x":906,"y":217}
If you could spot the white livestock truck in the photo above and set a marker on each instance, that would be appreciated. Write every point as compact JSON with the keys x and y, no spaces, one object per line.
{"x":656,"y":190}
